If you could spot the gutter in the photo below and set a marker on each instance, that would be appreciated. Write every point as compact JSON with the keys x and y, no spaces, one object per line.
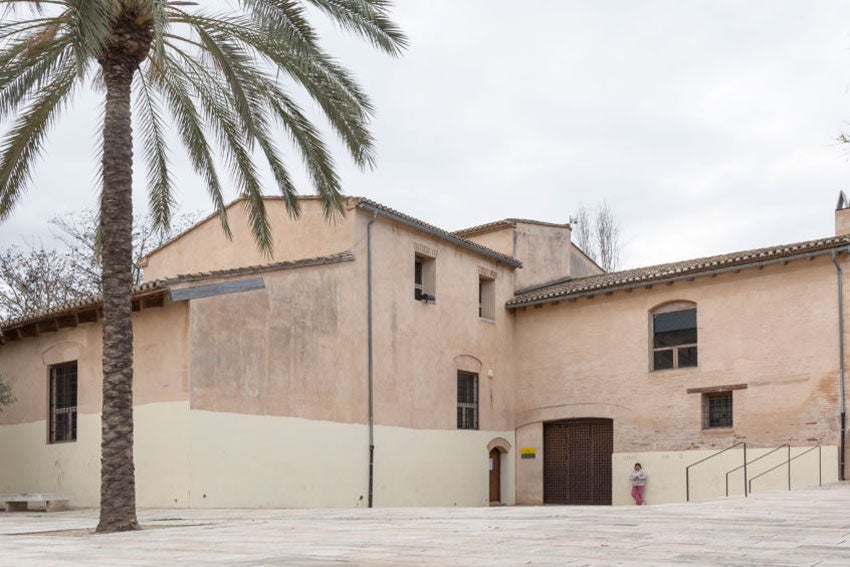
{"x":371,"y":363}
{"x":843,"y":413}
{"x":673,"y":278}
{"x":463,"y":243}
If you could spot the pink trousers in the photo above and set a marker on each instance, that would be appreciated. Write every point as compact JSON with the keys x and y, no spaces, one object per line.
{"x":637,"y":494}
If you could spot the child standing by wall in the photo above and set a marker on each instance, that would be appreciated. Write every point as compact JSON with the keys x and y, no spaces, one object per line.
{"x":638,"y":480}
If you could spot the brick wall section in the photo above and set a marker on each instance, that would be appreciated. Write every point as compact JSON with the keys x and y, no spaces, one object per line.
{"x":773,"y":329}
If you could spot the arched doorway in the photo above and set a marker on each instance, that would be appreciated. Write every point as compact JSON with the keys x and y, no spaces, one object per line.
{"x":577,"y":461}
{"x":498,"y":449}
{"x":495,"y":476}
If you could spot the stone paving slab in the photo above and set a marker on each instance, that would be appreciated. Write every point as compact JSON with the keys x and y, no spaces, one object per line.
{"x":804,"y":527}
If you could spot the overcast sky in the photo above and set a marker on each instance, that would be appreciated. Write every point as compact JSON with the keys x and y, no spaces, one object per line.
{"x":708,"y":126}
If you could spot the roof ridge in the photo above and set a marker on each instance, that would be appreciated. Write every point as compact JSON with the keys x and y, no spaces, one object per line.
{"x":437,"y":231}
{"x":510,"y":221}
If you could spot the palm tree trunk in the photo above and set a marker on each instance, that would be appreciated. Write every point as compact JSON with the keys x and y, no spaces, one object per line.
{"x":117,"y":476}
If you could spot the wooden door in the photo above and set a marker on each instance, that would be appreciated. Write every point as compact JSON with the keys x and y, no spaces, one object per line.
{"x":495,"y":476}
{"x":577,"y":461}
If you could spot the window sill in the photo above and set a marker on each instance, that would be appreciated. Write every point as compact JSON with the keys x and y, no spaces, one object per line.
{"x":486,"y":320}
{"x":674,"y":370}
{"x":718,"y":430}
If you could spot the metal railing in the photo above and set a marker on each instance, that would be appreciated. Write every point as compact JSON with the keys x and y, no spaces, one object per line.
{"x":788,"y":462}
{"x":688,"y":468}
{"x":750,"y":484}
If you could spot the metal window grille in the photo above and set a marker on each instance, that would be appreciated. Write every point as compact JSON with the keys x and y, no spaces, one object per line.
{"x":63,"y":402}
{"x":467,"y":400}
{"x":717,"y":410}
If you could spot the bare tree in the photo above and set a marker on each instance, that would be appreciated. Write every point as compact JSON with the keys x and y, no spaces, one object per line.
{"x":79,"y":232}
{"x":597,"y":233}
{"x":34,"y":278}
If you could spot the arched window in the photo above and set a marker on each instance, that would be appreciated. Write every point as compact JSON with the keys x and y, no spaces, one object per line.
{"x":674,"y":335}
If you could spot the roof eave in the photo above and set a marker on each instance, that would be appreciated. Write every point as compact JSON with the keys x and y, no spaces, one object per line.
{"x":686,"y":275}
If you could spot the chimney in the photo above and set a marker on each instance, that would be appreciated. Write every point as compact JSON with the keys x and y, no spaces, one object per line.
{"x":842,"y":215}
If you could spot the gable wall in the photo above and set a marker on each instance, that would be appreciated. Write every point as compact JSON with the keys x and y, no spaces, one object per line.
{"x":205,"y":247}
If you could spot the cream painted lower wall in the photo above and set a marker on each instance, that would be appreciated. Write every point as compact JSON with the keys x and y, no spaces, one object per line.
{"x":30,"y":464}
{"x":666,"y":473}
{"x":204,"y":459}
{"x":270,"y":462}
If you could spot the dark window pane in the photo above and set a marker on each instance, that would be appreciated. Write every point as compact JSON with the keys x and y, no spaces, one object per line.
{"x":687,"y":357}
{"x":675,"y":338}
{"x":417,"y":280}
{"x":662,"y":359}
{"x":675,"y":321}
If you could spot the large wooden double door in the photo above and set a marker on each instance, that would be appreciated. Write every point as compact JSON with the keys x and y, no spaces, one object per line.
{"x":577,"y":461}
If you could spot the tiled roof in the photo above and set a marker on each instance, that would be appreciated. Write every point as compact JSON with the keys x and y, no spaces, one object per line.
{"x":352,"y":202}
{"x":164,"y":284}
{"x":504,"y":223}
{"x":575,"y":287}
{"x":436,"y":231}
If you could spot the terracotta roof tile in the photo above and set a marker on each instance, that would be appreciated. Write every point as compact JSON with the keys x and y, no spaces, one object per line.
{"x":504,"y":223}
{"x":573,"y":287}
{"x":164,"y":284}
{"x":352,"y":201}
{"x":439,"y":232}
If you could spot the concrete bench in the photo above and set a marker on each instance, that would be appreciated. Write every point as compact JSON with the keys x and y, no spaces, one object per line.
{"x":21,"y":502}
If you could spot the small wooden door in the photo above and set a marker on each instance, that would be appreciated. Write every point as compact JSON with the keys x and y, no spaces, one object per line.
{"x":495,"y":476}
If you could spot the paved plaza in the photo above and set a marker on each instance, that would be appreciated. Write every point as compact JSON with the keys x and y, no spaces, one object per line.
{"x":803,"y":527}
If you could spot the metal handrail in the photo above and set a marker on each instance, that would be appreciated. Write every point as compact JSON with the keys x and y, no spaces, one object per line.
{"x":788,"y":462}
{"x":757,"y":459}
{"x":688,"y":468}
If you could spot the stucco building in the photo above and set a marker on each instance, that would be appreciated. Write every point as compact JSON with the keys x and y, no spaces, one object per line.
{"x":381,"y":359}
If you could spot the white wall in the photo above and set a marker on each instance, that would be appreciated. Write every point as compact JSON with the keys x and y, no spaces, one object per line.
{"x":270,"y":461}
{"x":666,"y":473}
{"x":29,"y":464}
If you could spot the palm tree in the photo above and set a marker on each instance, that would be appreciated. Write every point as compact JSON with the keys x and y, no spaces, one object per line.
{"x":216,"y":74}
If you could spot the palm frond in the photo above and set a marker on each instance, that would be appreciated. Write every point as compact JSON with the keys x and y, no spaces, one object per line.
{"x":160,"y":182}
{"x":367,"y":18}
{"x":23,"y":143}
{"x":22,"y":74}
{"x":191,"y":130}
{"x":219,"y":113}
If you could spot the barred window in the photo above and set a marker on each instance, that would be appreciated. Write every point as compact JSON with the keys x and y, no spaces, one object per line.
{"x":63,"y":403}
{"x":717,"y":410}
{"x":467,"y":400}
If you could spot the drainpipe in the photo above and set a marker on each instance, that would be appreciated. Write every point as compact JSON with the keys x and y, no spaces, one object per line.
{"x":840,"y":273}
{"x":371,"y":365}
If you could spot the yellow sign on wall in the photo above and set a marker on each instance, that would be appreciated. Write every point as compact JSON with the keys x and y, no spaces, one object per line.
{"x":528,"y":453}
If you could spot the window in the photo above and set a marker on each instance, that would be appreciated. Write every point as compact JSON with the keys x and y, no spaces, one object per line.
{"x":424,"y":278}
{"x":63,"y":403}
{"x":717,"y":410}
{"x":486,"y":298}
{"x":467,"y":400}
{"x":674,"y":339}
